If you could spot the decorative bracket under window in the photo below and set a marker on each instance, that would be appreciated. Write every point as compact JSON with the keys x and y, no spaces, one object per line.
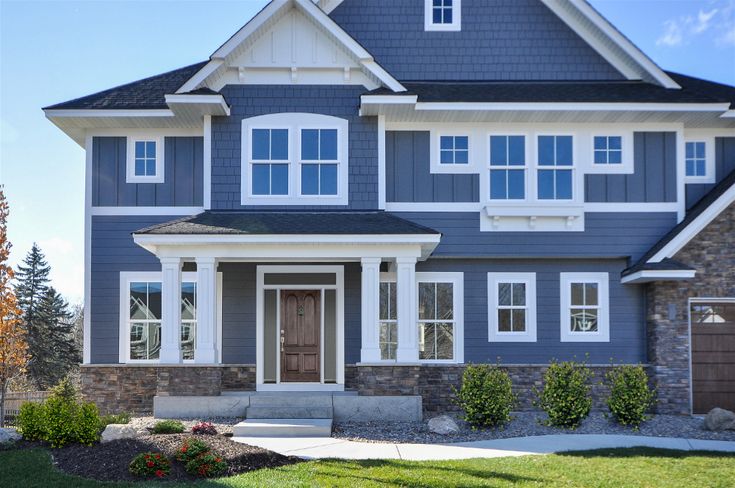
{"x":520,"y":218}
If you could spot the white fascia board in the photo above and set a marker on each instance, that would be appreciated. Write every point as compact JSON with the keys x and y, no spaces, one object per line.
{"x":348,"y":239}
{"x":52,"y":113}
{"x":696,"y":226}
{"x":248,"y":29}
{"x":647,"y":276}
{"x":217,"y":102}
{"x":388,"y":99}
{"x":167,"y":211}
{"x":730,"y":114}
{"x":573,"y":106}
{"x":201,"y":75}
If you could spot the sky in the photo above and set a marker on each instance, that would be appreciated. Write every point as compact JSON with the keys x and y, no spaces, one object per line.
{"x":53,"y":51}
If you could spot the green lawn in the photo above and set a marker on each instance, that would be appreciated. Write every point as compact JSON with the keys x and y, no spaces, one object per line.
{"x":604,"y":468}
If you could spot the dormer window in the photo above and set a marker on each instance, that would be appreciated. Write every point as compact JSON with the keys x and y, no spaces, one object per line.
{"x":442,"y":15}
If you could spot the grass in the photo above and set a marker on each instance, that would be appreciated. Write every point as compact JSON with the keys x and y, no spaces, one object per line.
{"x":637,"y":467}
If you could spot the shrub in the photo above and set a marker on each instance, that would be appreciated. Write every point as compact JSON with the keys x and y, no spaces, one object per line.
{"x":486,"y":396}
{"x":204,"y":428}
{"x":566,"y":394}
{"x":120,"y":418}
{"x":87,"y":424}
{"x":630,"y":396}
{"x":31,"y":421}
{"x":150,"y":465}
{"x":207,"y":465}
{"x":61,"y":413}
{"x":190,"y":449}
{"x":168,"y":427}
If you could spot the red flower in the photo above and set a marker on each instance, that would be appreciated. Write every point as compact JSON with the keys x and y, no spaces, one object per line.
{"x":184,"y":449}
{"x":150,"y":464}
{"x":160,"y":473}
{"x":147,"y":456}
{"x":158,"y":456}
{"x":218,"y":460}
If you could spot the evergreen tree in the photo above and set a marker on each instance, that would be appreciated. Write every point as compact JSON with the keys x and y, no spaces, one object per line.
{"x":57,"y":352}
{"x":32,"y":284}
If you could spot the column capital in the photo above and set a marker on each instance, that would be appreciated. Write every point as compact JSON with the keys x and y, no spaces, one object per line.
{"x":406,"y":260}
{"x":171,"y":261}
{"x":205,"y":260}
{"x":370,"y":261}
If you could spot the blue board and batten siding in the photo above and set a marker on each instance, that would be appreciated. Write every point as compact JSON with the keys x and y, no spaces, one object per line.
{"x":183,"y":175}
{"x":724,"y":165}
{"x":253,"y":100}
{"x":499,"y":40}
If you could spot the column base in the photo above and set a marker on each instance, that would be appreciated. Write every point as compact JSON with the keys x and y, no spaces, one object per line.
{"x":407,"y":355}
{"x":169,"y":356}
{"x":370,"y":355}
{"x":205,"y":355}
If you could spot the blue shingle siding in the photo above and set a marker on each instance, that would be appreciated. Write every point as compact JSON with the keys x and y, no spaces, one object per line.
{"x":654,"y":177}
{"x":724,"y":165}
{"x":408,"y":176}
{"x":499,"y":40}
{"x":183,"y":175}
{"x":251,"y":100}
{"x":627,"y":339}
{"x":605,"y":235}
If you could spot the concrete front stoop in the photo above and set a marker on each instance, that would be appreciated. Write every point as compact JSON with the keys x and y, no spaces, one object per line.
{"x":288,"y":415}
{"x":283,"y":428}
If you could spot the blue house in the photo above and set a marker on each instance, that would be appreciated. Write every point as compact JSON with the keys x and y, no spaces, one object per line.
{"x":367,"y":195}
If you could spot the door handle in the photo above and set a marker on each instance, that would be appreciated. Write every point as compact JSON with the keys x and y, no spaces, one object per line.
{"x":283,"y":339}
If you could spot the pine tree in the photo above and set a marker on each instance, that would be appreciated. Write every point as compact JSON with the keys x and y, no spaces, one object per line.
{"x":32,"y":283}
{"x":57,"y":353}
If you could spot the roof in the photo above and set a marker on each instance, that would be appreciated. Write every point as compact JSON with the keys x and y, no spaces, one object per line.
{"x":145,"y":94}
{"x":694,"y":90}
{"x":667,"y":264}
{"x":289,"y":223}
{"x":692,"y":215}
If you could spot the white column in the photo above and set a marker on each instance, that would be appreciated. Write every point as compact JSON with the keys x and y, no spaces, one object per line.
{"x":408,"y":349}
{"x":171,"y":311}
{"x":206,"y":351}
{"x":370,"y":300}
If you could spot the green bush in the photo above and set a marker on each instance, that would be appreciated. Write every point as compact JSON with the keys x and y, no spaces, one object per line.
{"x":566,"y":395}
{"x":150,"y":464}
{"x":31,"y":421}
{"x":60,"y":427}
{"x":207,"y":465}
{"x":486,"y":396}
{"x":168,"y":427}
{"x":630,"y":396}
{"x":88,"y":424}
{"x":190,"y":449}
{"x":120,"y":418}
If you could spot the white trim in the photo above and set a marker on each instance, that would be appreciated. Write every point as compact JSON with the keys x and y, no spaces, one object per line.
{"x":143,"y":133}
{"x":130,"y":176}
{"x":709,"y":159}
{"x":217,"y":103}
{"x":382,"y":155}
{"x":207,"y":179}
{"x":571,"y":107}
{"x":195,"y":81}
{"x":62,"y":113}
{"x":320,"y":239}
{"x":87,"y":334}
{"x":589,"y":207}
{"x":456,"y":24}
{"x":457,"y":280}
{"x":370,"y":309}
{"x":173,"y":211}
{"x":680,"y":176}
{"x":603,"y":307}
{"x":433,"y":206}
{"x":627,"y":165}
{"x":528,"y":279}
{"x":474,"y":151}
{"x":218,"y":340}
{"x":528,"y":182}
{"x":647,"y":276}
{"x":261,"y":271}
{"x":695,"y":227}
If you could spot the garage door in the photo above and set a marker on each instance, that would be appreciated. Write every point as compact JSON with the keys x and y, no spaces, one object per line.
{"x":713,"y":355}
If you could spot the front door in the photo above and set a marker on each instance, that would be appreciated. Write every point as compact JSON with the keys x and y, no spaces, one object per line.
{"x":300,"y":335}
{"x":713,"y":356}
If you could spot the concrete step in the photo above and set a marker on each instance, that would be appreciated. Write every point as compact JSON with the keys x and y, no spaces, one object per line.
{"x":289,"y":400}
{"x":298,"y":412}
{"x":283,"y":428}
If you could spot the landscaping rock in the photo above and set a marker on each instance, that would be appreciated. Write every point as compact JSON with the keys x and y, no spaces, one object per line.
{"x":719,"y":419}
{"x":114,"y":432}
{"x":443,"y":425}
{"x":9,"y":435}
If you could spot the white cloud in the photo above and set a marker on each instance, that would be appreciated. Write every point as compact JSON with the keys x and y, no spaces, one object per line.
{"x":680,"y":30}
{"x":728,"y":37}
{"x":672,"y":36}
{"x":703,"y":21}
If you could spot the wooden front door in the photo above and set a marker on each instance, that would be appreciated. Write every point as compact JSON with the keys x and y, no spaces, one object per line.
{"x":300,"y":335}
{"x":713,"y":356}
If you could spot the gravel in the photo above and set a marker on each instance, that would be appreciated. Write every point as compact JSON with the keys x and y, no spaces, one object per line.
{"x":526,"y":424}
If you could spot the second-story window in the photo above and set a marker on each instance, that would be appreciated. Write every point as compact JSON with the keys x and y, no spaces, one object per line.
{"x":269,"y":162}
{"x":319,"y":162}
{"x":454,"y":150}
{"x":507,"y":167}
{"x":555,"y":167}
{"x":144,"y":160}
{"x":608,"y":149}
{"x":696,"y":158}
{"x":442,"y":15}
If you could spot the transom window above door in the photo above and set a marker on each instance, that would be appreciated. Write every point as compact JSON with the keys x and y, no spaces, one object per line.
{"x":295,"y":159}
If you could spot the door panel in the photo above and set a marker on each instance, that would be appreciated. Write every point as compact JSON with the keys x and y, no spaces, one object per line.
{"x":300,"y":335}
{"x":713,"y":356}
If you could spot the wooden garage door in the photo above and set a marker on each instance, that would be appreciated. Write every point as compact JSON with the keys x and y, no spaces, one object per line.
{"x":713,"y":355}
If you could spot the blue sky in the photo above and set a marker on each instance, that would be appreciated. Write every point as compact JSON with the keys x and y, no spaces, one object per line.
{"x":52,"y":51}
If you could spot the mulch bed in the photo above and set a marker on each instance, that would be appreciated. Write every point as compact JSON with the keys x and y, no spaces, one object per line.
{"x":109,"y":461}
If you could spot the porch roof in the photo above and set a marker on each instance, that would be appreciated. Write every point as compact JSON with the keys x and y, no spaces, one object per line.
{"x":289,"y":223}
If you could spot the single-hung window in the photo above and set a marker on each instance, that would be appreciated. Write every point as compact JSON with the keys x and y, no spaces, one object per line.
{"x":608,"y":149}
{"x":454,"y":150}
{"x":555,"y":162}
{"x":507,"y":167}
{"x":436,"y":320}
{"x":443,"y":15}
{"x":319,"y":162}
{"x":388,"y":321}
{"x":512,"y":307}
{"x":145,"y":158}
{"x":269,"y":162}
{"x":696,"y":158}
{"x":584,"y":307}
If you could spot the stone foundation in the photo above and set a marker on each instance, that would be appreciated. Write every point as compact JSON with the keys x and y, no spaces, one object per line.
{"x":131,"y":388}
{"x":435,"y":383}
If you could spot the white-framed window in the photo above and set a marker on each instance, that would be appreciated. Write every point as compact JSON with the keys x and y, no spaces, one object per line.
{"x":440,"y":315}
{"x":507,"y":159}
{"x":611,"y":152}
{"x":454,"y":149}
{"x":607,"y":150}
{"x":144,"y":160}
{"x":442,"y":15}
{"x":388,"y":334}
{"x":141,"y":314}
{"x":319,"y":162}
{"x":511,"y":307}
{"x":295,"y":159}
{"x":555,"y":172}
{"x":584,"y":309}
{"x":699,"y":160}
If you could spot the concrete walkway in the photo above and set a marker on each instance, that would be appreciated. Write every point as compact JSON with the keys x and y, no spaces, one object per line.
{"x":327,"y":447}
